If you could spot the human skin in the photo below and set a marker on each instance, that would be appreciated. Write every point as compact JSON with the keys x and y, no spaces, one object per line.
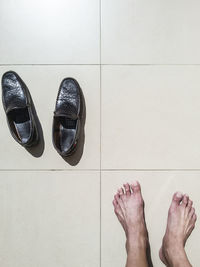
{"x":129,"y":208}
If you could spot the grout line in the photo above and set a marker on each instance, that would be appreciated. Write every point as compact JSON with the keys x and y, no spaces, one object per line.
{"x":98,"y":170}
{"x":145,"y":64}
{"x":53,"y":170}
{"x":100,"y":59}
{"x":98,"y":64}
{"x":100,"y":217}
{"x":149,"y":170}
{"x":100,"y":164}
{"x":100,"y":80}
{"x":54,"y":64}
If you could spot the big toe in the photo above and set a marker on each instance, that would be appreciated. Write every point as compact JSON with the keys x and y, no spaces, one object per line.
{"x":176,"y":200}
{"x":135,"y":186}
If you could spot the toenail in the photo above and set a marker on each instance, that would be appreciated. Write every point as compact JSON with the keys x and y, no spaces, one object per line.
{"x":179,"y":194}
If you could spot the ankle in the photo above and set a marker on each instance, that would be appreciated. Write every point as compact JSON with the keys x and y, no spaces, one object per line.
{"x":176,"y":256}
{"x":135,"y":243}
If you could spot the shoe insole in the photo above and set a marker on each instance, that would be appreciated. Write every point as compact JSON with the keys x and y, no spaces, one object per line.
{"x":67,"y":133}
{"x":23,"y":130}
{"x":22,"y":124}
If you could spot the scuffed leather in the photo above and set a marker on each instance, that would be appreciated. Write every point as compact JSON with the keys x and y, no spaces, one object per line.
{"x":68,"y":100}
{"x":66,"y":114}
{"x":18,"y":106}
{"x":13,"y":93}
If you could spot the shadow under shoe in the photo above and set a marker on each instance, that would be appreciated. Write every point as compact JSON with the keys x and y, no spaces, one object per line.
{"x":37,"y":148}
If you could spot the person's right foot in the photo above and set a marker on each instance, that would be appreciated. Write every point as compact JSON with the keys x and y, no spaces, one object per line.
{"x":180,"y":223}
{"x":129,"y":208}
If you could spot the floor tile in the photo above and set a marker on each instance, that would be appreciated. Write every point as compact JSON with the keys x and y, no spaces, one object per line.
{"x":43,"y":83}
{"x":150,"y":117}
{"x":157,"y":189}
{"x":150,"y":32}
{"x":49,"y":32}
{"x":49,"y":219}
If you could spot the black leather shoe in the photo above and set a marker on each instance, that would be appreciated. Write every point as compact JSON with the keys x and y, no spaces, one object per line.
{"x":18,"y":106}
{"x":67,"y":117}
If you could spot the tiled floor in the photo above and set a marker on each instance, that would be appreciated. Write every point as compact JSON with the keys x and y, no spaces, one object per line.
{"x":48,"y":220}
{"x":43,"y":83}
{"x":138,"y":64}
{"x":150,"y":32}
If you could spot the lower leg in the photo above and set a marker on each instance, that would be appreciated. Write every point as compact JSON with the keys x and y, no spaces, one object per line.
{"x":136,"y":256}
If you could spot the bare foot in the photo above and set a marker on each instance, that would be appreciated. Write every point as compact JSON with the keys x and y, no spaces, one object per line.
{"x":129,"y":209}
{"x":180,"y":223}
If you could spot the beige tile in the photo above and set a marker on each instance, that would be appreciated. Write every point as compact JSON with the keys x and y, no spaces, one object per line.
{"x":49,"y":32}
{"x":43,"y":83}
{"x":150,"y":32}
{"x":150,"y":117}
{"x":49,"y":219}
{"x":157,"y":189}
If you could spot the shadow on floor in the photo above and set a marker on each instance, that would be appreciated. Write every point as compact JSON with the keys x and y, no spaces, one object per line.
{"x":37,"y":149}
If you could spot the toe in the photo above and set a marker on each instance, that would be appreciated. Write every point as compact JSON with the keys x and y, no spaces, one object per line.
{"x":121,"y":191}
{"x":135,"y":186}
{"x":127,"y":189}
{"x":185,"y":200}
{"x":176,"y":200}
{"x":194,"y":218}
{"x":117,"y":207}
{"x":189,"y":204}
{"x":177,"y":197}
{"x":192,"y":212}
{"x":114,"y":203}
{"x":116,"y":198}
{"x":119,"y":198}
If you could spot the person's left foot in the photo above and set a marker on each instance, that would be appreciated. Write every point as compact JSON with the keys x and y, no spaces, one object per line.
{"x":129,"y":209}
{"x":180,"y":224}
